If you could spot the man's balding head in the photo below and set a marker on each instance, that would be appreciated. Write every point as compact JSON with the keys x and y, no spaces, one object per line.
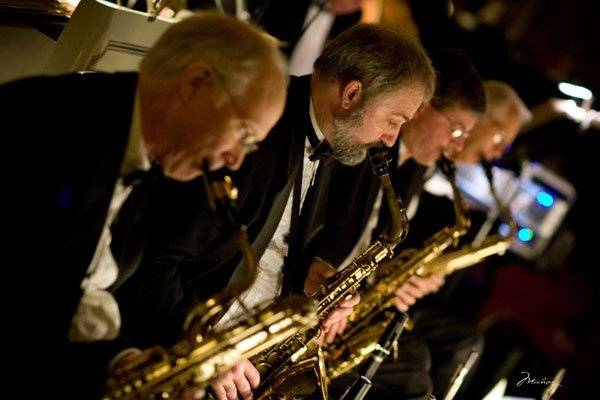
{"x":210,"y":88}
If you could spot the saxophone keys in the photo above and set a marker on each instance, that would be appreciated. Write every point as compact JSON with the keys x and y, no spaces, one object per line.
{"x":297,"y":355}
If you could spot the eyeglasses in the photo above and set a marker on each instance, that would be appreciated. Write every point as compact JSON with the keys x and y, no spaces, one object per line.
{"x":499,"y":135}
{"x":247,"y":138}
{"x":456,"y":130}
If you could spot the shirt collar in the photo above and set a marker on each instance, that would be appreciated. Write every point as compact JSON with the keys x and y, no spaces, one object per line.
{"x":136,"y":156}
{"x":403,"y":153}
{"x":313,"y":120}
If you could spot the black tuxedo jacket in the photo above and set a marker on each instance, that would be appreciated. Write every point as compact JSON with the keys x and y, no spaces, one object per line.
{"x":64,"y":140}
{"x":188,"y":257}
{"x":352,"y":196}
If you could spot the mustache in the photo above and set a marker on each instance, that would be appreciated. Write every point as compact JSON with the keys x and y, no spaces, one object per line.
{"x":375,"y":144}
{"x":345,"y":148}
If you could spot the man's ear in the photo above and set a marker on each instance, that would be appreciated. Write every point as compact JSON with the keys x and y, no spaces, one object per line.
{"x":196,"y":78}
{"x":352,"y":94}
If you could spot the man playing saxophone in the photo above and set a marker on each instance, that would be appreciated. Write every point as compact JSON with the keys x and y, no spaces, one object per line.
{"x":176,"y":113}
{"x":351,"y":112}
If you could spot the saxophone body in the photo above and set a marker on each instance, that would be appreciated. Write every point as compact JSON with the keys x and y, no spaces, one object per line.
{"x":163,"y":374}
{"x":286,"y":359}
{"x":472,"y":254}
{"x":371,"y":316}
{"x":204,"y":353}
{"x":300,"y":353}
{"x":469,"y":255}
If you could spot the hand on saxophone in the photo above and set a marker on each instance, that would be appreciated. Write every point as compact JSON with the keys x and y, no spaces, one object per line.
{"x":415,"y":288}
{"x":237,"y":383}
{"x":336,"y":321}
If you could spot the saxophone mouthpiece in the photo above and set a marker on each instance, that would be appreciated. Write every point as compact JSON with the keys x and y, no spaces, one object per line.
{"x":446,"y":166}
{"x":221,"y":194}
{"x":207,"y":187}
{"x":487,"y":168}
{"x":380,"y":160}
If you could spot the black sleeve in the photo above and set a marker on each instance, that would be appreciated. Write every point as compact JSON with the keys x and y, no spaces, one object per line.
{"x":186,"y":259}
{"x":84,"y":368}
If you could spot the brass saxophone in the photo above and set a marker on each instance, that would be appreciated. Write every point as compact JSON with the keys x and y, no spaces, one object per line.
{"x":203,"y":354}
{"x":472,"y":254}
{"x":369,"y":318}
{"x":163,"y":375}
{"x":285,"y":360}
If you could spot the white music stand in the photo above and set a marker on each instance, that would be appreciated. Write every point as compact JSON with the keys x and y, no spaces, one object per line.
{"x":102,"y":36}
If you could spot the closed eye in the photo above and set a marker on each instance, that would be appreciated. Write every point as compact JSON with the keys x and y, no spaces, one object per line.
{"x":394,"y":123}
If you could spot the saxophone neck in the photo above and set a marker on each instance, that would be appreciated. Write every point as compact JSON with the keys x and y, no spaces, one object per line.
{"x":380,"y":164}
{"x":222,"y":194}
{"x":463,"y":222}
{"x":418,"y":261}
{"x":502,"y":208}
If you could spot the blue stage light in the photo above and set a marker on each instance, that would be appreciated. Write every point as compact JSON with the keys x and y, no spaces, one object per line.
{"x":545,"y":199}
{"x":525,"y":234}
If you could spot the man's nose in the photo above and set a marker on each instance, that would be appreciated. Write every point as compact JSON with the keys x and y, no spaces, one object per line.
{"x":458,"y":144}
{"x":234,"y":158}
{"x":389,"y":139}
{"x":498,"y":151}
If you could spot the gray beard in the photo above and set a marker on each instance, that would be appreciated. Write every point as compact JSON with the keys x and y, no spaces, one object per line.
{"x":343,"y":148}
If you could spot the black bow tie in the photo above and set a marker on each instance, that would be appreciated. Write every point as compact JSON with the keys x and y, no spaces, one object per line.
{"x":321,"y":152}
{"x":139,"y":176}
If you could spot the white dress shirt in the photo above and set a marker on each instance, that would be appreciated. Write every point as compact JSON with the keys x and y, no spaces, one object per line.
{"x":97,"y":316}
{"x":310,"y":45}
{"x":267,"y":285}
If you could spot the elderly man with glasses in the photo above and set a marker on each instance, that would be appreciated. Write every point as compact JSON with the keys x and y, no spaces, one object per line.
{"x":494,"y":133}
{"x":78,"y":143}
